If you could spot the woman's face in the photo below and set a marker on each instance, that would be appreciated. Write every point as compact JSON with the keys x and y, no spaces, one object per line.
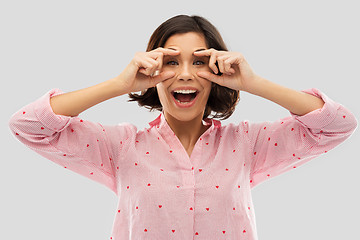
{"x":185,"y":65}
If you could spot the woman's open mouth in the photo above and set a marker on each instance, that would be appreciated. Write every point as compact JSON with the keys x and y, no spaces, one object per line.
{"x":185,"y":98}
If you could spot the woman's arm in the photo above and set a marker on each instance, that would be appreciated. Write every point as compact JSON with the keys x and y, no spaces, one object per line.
{"x":73,"y":103}
{"x":238,"y":75}
{"x":137,"y":76}
{"x":285,"y":144}
{"x":50,"y":125}
{"x":296,"y":102}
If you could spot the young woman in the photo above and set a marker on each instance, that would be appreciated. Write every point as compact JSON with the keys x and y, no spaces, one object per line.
{"x":186,"y":176}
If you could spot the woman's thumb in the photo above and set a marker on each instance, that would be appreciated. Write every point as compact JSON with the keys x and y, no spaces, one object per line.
{"x":163,"y":76}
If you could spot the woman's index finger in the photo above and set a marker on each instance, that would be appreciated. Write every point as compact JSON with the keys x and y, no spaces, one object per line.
{"x":205,"y":52}
{"x":170,"y":51}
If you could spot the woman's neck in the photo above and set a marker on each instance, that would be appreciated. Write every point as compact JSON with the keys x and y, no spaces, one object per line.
{"x":188,"y":132}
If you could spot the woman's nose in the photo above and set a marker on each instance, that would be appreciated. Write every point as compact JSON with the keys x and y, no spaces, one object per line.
{"x":185,"y":72}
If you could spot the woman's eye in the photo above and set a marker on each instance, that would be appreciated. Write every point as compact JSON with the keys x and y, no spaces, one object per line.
{"x":198,"y":62}
{"x":171,"y":63}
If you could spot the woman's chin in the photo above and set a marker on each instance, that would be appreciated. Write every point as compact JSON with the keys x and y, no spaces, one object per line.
{"x":186,"y":116}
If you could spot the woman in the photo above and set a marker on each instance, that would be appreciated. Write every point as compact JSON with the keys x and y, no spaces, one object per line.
{"x":186,"y":176}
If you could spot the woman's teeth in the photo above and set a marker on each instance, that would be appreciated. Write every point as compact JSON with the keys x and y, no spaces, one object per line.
{"x":181,"y":102}
{"x":185,"y":91}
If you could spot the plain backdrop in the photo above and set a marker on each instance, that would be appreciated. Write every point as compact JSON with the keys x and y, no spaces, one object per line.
{"x":76,"y":44}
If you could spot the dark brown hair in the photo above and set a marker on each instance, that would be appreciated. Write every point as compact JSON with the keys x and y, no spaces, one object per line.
{"x":222,"y":100}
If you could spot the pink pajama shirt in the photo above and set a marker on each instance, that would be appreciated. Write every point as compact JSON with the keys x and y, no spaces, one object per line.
{"x":165,"y":194}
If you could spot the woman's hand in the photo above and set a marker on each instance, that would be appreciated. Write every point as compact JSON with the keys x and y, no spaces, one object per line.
{"x":236,"y":72}
{"x":144,"y":70}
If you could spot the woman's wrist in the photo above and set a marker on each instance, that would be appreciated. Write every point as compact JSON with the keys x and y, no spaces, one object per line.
{"x":257,"y":85}
{"x":115,"y":88}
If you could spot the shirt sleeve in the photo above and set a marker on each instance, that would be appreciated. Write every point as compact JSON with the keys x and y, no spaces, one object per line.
{"x":84,"y":147}
{"x":283,"y":145}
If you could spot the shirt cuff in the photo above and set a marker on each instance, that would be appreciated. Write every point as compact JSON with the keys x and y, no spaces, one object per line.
{"x":45,"y":114}
{"x":319,"y":118}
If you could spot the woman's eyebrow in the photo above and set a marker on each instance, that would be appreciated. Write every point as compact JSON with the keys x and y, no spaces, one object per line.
{"x":200,"y":49}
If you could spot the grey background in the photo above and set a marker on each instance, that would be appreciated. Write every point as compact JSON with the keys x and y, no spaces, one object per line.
{"x":75,"y":44}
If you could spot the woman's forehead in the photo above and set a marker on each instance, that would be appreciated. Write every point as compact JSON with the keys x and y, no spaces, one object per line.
{"x":189,"y":42}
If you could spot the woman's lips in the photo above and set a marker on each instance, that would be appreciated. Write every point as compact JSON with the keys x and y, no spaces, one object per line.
{"x":186,"y":104}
